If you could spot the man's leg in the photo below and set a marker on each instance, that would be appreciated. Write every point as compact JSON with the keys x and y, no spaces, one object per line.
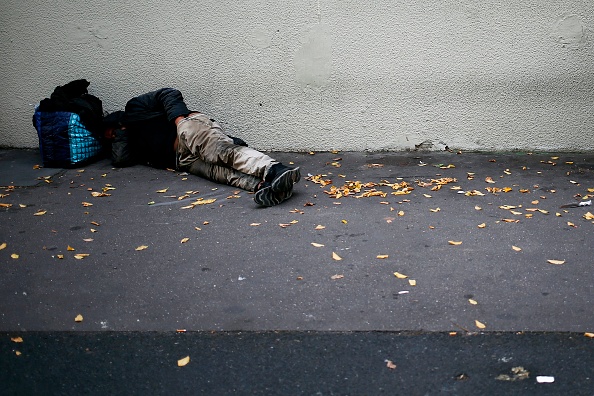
{"x":202,"y":138}
{"x":224,"y":175}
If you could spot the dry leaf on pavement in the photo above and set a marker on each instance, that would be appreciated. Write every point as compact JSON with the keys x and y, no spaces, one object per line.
{"x":556,"y":262}
{"x":16,"y":339}
{"x":382,"y":256}
{"x":400,"y":276}
{"x":517,"y":249}
{"x":334,"y":277}
{"x":184,"y":240}
{"x":183,"y":362}
{"x":317,"y":244}
{"x":143,"y":247}
{"x":79,"y":318}
{"x":455,"y":243}
{"x":336,"y":256}
{"x":479,"y":324}
{"x":390,"y":364}
{"x":3,"y":246}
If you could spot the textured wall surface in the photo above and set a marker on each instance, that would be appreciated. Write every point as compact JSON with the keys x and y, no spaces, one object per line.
{"x":320,"y":75}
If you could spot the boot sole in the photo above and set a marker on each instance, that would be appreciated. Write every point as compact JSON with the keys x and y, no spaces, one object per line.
{"x":266,"y":197}
{"x":285,"y":181}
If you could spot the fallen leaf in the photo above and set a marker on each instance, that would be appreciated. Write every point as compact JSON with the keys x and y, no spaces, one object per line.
{"x":401,"y":213}
{"x":473,"y":302}
{"x":70,"y":248}
{"x":255,"y":224}
{"x":455,"y":243}
{"x":517,"y":249}
{"x":40,"y":212}
{"x":14,"y":256}
{"x":589,"y":216}
{"x":334,"y":277}
{"x":479,"y":324}
{"x":400,"y":276}
{"x":482,"y":225}
{"x":18,"y":353}
{"x":16,"y":339}
{"x":343,"y":221}
{"x":86,"y":204}
{"x":3,"y":246}
{"x":88,"y":239}
{"x":435,"y":210}
{"x":184,"y":240}
{"x":412,"y":282}
{"x":478,"y":208}
{"x":79,"y":318}
{"x":183,"y":362}
{"x":390,"y":364}
{"x":489,"y":180}
{"x":60,"y":256}
{"x":143,"y":247}
{"x":319,"y":227}
{"x":318,"y":245}
{"x":569,"y":223}
{"x":336,"y":256}
{"x":590,"y":335}
{"x":382,"y":256}
{"x":163,"y":190}
{"x":95,"y":223}
{"x":81,"y":256}
{"x":556,"y":262}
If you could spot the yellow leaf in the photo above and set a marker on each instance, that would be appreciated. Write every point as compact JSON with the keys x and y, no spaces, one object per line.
{"x":455,"y":243}
{"x":435,"y":210}
{"x":382,"y":256}
{"x":515,"y":213}
{"x":14,"y":256}
{"x":3,"y":246}
{"x":185,"y":240}
{"x":479,"y":324}
{"x":489,"y":180}
{"x":590,"y":335}
{"x":93,"y":230}
{"x":334,"y":277}
{"x":60,"y":256}
{"x":183,"y":362}
{"x":569,"y":223}
{"x":336,"y":256}
{"x":18,"y":353}
{"x":401,"y":213}
{"x":70,"y":248}
{"x":482,"y":225}
{"x":517,"y":249}
{"x":400,"y":276}
{"x":473,"y":302}
{"x":143,"y":247}
{"x":478,"y":207}
{"x":427,"y":195}
{"x":79,"y":318}
{"x":343,"y":221}
{"x":81,"y":256}
{"x":319,"y":227}
{"x":412,"y":282}
{"x":589,"y":216}
{"x":255,"y":224}
{"x":556,"y":262}
{"x":40,"y":213}
{"x":16,"y":339}
{"x":86,"y":204}
{"x":390,"y":364}
{"x":294,"y":222}
{"x":163,"y":190}
{"x":317,"y":244}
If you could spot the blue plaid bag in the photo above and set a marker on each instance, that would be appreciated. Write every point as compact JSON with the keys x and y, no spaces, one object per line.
{"x":64,"y":141}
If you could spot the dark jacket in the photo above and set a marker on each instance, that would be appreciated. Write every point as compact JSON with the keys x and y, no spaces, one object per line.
{"x":150,"y":129}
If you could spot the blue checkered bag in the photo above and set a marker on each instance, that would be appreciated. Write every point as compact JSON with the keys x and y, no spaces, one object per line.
{"x":64,"y":141}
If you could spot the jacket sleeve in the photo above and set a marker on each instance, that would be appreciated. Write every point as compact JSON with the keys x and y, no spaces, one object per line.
{"x":167,"y":102}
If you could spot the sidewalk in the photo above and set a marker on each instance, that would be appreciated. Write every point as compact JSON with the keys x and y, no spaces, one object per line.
{"x":145,"y":249}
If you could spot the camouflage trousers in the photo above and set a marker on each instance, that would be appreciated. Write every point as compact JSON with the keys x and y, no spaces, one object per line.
{"x":204,"y":150}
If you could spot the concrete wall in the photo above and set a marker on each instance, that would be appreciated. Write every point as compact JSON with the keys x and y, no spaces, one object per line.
{"x":320,"y":75}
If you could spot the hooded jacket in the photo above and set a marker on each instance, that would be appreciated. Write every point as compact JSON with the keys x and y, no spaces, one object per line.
{"x":150,"y":128}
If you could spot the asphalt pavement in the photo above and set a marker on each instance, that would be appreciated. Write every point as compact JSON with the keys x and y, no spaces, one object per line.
{"x":449,"y":253}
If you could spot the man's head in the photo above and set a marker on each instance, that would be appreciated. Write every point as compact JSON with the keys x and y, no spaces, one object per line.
{"x":111,"y":122}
